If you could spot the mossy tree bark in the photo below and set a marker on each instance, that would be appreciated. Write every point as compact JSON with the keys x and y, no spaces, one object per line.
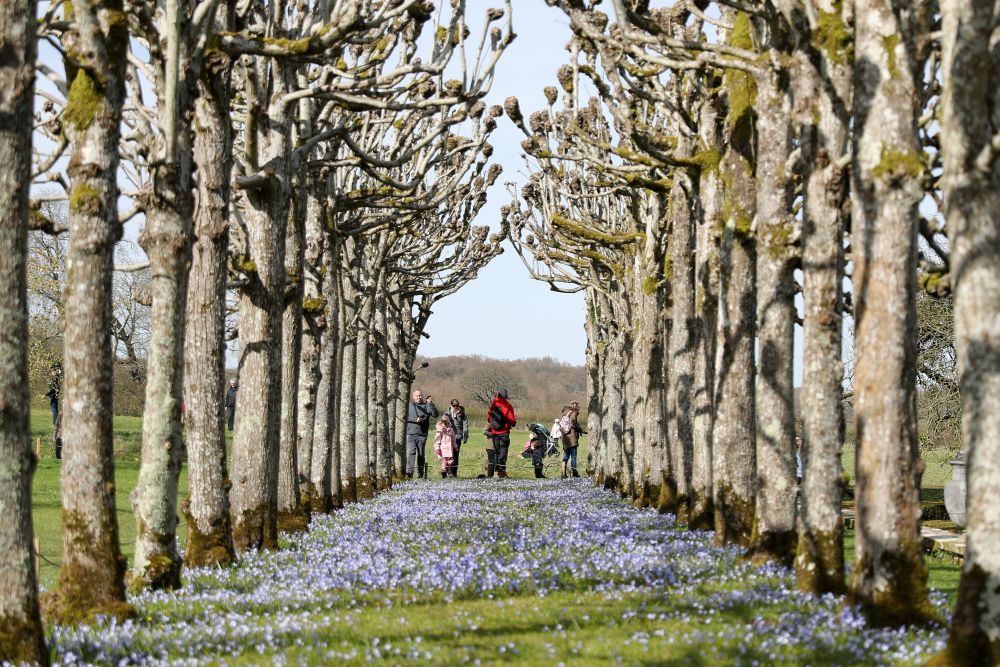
{"x":346,"y":422}
{"x":819,"y":562}
{"x":683,"y":344}
{"x":324,"y":474}
{"x":775,"y":536}
{"x":971,"y":183}
{"x":890,"y":578}
{"x":290,"y":511}
{"x":313,"y":323}
{"x":399,"y":380}
{"x":381,"y":360}
{"x":734,"y":483}
{"x":210,"y":537}
{"x":166,"y":238}
{"x":595,"y":374}
{"x":92,"y":574}
{"x":255,"y":440}
{"x":22,"y":638}
{"x":364,"y":453}
{"x":706,"y":305}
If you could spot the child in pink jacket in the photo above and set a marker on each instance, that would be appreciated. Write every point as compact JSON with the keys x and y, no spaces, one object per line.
{"x":444,"y":444}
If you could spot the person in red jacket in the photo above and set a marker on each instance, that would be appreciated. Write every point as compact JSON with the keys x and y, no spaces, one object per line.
{"x":500,"y":419}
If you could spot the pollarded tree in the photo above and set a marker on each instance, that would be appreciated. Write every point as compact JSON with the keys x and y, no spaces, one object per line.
{"x":21,"y":633}
{"x":91,"y":577}
{"x":890,"y":578}
{"x":970,"y":143}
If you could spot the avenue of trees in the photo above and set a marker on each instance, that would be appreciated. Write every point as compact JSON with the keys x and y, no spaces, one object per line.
{"x":700,"y":165}
{"x":322,"y":163}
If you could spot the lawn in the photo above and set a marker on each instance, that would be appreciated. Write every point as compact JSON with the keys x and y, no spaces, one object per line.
{"x":491,"y":572}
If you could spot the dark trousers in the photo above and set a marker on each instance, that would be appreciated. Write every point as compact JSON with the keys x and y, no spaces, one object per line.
{"x":416,"y":446}
{"x":232,"y":416}
{"x":538,"y":459}
{"x":54,"y":407}
{"x":498,"y":462}
{"x":453,"y":468}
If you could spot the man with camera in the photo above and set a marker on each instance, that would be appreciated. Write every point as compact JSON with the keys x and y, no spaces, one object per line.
{"x":418,"y":420}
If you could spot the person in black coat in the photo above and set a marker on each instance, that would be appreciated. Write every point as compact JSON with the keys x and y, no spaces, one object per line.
{"x":231,"y":402}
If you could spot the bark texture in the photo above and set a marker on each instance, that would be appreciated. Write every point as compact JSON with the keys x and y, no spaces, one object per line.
{"x":819,"y":561}
{"x":92,"y":575}
{"x":734,"y":483}
{"x":22,"y":637}
{"x":970,"y":120}
{"x":774,"y":535}
{"x":290,"y":514}
{"x":209,"y":537}
{"x":890,"y":578}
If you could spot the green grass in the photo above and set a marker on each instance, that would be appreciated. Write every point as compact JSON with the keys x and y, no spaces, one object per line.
{"x":46,"y":503}
{"x":944,"y":571}
{"x":936,"y":471}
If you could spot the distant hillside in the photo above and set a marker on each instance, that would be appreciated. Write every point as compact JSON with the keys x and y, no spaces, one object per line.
{"x":538,"y":388}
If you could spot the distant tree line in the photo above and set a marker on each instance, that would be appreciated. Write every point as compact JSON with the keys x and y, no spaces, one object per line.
{"x":538,"y":388}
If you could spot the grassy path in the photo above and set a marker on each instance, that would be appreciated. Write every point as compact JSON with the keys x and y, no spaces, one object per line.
{"x":491,"y":572}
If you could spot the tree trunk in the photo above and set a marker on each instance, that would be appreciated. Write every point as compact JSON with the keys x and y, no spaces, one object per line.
{"x":734,"y":483}
{"x":399,"y":380}
{"x":648,"y":392}
{"x":970,"y":119}
{"x":363,"y":452}
{"x":22,"y":637}
{"x":706,"y":304}
{"x":380,"y":363}
{"x":774,"y":537}
{"x":680,"y":358}
{"x":209,"y":536}
{"x":291,"y":514}
{"x":324,"y":473}
{"x":254,"y":496}
{"x":595,"y":388}
{"x":346,"y":423}
{"x":819,"y":561}
{"x":313,"y":304}
{"x":91,"y":578}
{"x":890,"y":578}
{"x":166,"y":239}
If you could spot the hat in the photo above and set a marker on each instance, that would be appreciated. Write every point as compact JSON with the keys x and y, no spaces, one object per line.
{"x":502,"y":393}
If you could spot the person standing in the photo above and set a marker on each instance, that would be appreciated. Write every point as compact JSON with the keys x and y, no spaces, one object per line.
{"x":570,"y":425}
{"x":55,"y":380}
{"x":500,"y":419}
{"x":460,"y":425}
{"x":418,"y":420}
{"x":445,"y":444}
{"x":231,"y":402}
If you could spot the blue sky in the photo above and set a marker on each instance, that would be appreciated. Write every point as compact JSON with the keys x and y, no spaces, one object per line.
{"x":504,"y":313}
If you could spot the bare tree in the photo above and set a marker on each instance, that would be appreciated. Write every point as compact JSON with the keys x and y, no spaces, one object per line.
{"x":970,"y":141}
{"x":22,"y":637}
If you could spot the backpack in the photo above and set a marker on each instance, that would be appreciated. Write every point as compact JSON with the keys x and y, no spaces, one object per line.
{"x":565,"y":425}
{"x":496,"y":418}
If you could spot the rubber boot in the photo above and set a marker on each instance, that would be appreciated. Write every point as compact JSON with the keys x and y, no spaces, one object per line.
{"x":564,"y":470}
{"x":444,"y":474}
{"x":539,"y":474}
{"x":575,"y":473}
{"x":409,"y":475}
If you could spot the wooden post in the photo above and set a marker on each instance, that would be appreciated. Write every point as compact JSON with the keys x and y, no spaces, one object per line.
{"x":38,"y":446}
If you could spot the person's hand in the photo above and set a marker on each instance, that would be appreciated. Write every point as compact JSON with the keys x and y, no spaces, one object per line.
{"x":429,"y":399}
